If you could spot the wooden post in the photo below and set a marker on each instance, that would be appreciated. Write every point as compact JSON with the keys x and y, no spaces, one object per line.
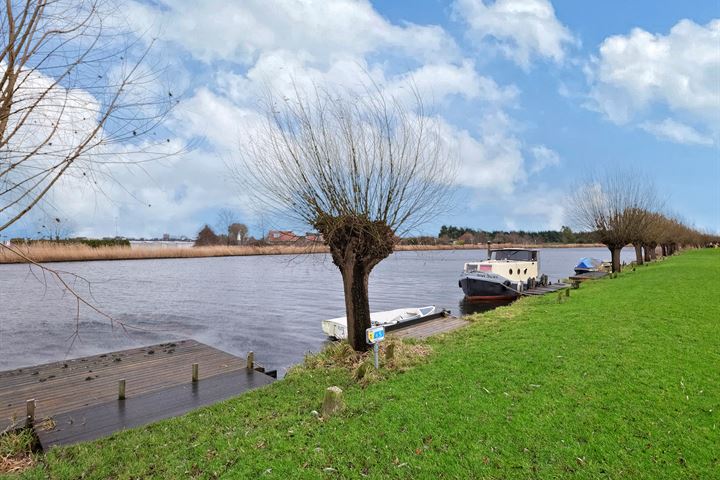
{"x":194,"y":372}
{"x":250,"y":360}
{"x":121,"y":389}
{"x":30,"y":406}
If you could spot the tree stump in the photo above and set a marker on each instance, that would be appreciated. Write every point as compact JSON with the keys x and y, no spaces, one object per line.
{"x":333,"y":401}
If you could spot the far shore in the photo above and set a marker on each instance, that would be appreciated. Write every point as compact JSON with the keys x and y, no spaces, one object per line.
{"x":51,"y":252}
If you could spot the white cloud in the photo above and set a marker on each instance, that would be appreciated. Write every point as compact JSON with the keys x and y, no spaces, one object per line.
{"x":241,"y":31}
{"x":521,"y":29}
{"x":677,"y":132}
{"x":544,"y":157}
{"x":680,"y":71}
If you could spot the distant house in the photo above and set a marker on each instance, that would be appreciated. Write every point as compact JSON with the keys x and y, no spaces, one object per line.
{"x":313,"y":237}
{"x":279,"y":237}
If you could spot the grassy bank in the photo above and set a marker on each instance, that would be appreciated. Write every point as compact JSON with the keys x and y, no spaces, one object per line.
{"x":51,"y":252}
{"x":618,"y":381}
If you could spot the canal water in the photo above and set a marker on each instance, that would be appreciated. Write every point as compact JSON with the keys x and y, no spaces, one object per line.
{"x":272,"y":305}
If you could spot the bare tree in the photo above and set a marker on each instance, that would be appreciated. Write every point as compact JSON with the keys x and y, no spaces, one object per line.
{"x":359,"y":169}
{"x":225,"y":219}
{"x":56,"y":228}
{"x":617,"y":207}
{"x":75,"y":99}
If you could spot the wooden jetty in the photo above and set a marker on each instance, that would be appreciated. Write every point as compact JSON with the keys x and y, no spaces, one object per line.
{"x":544,"y":289}
{"x":90,"y":397}
{"x":427,"y":327}
{"x":582,"y":277}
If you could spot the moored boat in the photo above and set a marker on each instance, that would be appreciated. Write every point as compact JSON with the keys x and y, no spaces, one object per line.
{"x":503,"y":276}
{"x":337,"y":327}
{"x":588,"y":264}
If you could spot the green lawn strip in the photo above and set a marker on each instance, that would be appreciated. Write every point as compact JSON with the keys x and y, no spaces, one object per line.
{"x":621,"y":380}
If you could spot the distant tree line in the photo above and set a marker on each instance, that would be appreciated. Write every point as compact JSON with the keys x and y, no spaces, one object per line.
{"x":90,"y":242}
{"x":453,"y":234}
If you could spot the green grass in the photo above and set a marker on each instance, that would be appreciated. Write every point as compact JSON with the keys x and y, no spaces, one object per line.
{"x":621,"y":380}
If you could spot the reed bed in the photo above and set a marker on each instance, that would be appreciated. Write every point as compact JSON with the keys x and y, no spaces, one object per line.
{"x":49,"y":252}
{"x":52,"y":252}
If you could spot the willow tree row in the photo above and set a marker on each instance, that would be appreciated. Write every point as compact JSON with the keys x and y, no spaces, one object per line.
{"x":624,"y":209}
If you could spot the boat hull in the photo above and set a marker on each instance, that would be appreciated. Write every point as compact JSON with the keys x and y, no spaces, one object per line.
{"x":487,"y":286}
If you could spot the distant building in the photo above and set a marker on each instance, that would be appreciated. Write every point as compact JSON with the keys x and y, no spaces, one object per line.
{"x":166,"y":237}
{"x":313,"y":237}
{"x":279,"y":237}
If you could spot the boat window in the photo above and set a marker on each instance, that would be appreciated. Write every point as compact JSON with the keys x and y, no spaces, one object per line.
{"x":471,"y":267}
{"x":525,"y":271}
{"x":511,"y":271}
{"x":515,"y":255}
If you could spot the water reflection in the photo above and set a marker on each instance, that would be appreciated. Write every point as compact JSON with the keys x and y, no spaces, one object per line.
{"x":468,"y":307}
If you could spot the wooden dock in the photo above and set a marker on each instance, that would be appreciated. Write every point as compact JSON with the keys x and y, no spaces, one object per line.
{"x":84,"y":392}
{"x":588,"y":276}
{"x":427,"y":328}
{"x":544,"y":289}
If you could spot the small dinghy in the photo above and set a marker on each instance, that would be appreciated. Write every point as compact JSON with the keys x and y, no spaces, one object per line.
{"x":589,"y":265}
{"x":337,"y":327}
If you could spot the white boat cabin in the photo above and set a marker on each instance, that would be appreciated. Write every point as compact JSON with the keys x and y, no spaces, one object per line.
{"x":514,"y":264}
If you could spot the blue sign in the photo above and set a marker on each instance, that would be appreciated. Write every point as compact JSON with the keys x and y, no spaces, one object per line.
{"x":375,"y":334}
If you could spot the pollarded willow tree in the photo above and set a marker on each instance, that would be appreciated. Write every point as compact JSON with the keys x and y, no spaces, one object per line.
{"x":618,"y":207}
{"x":360,"y":169}
{"x":76,"y":98}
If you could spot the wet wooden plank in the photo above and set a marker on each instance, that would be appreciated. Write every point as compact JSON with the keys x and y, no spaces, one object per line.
{"x":588,"y":276}
{"x":64,"y":386}
{"x":100,"y":420}
{"x":430,"y":327}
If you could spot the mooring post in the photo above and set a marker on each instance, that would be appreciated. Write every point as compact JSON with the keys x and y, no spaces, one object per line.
{"x":251,"y":360}
{"x":121,"y":389}
{"x":30,"y":418}
{"x":194,"y":372}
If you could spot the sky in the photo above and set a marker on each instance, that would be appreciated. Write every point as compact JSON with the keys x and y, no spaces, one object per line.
{"x":533,"y":95}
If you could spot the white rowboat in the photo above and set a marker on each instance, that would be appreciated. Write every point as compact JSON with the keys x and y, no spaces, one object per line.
{"x":337,"y":327}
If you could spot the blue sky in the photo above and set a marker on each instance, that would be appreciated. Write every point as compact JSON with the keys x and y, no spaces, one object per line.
{"x":535,"y":95}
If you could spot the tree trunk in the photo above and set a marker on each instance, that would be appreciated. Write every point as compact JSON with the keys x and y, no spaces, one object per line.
{"x":646,"y":251}
{"x":638,"y":253}
{"x":357,"y":304}
{"x":615,"y":253}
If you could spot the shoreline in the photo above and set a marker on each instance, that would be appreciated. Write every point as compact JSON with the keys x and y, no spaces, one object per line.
{"x":557,"y":391}
{"x":52,"y":253}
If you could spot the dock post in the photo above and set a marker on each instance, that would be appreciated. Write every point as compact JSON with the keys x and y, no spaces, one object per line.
{"x":250,"y":360}
{"x":194,"y":372}
{"x":121,"y":389}
{"x":30,"y":418}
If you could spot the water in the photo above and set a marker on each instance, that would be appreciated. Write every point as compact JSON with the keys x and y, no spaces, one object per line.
{"x":271,"y":305}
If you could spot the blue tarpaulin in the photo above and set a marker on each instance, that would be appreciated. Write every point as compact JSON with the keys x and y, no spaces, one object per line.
{"x":589,"y":263}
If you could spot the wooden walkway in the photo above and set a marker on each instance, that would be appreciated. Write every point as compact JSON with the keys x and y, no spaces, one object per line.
{"x":542,"y":290}
{"x":428,"y":328}
{"x":588,"y":276}
{"x":82,"y":384}
{"x":96,"y":421}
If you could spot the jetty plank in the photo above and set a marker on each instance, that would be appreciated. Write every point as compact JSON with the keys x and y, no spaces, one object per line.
{"x":61,"y":387}
{"x":100,"y":420}
{"x":430,"y":327}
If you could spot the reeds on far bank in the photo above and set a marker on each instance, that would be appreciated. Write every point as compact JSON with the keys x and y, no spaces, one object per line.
{"x":50,"y":252}
{"x":44,"y":252}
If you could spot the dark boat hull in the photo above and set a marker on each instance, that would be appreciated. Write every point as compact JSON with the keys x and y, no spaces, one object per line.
{"x":489,"y":288}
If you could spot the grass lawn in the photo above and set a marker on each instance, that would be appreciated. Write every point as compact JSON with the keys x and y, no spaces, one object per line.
{"x":622,"y":380}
